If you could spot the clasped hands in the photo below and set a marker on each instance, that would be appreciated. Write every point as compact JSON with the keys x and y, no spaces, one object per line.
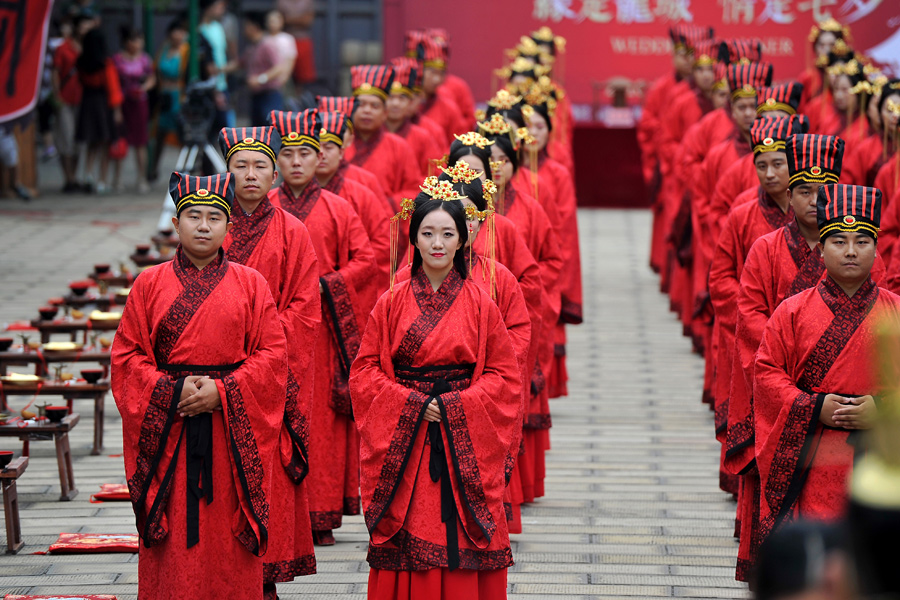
{"x":199,"y":395}
{"x":848,"y":413}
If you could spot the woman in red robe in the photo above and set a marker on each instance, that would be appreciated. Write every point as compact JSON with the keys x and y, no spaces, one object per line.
{"x":502,"y":286}
{"x":533,"y":226}
{"x":864,"y":160}
{"x":346,"y":264}
{"x":822,"y":36}
{"x":560,"y":204}
{"x":436,"y":353}
{"x":203,"y":519}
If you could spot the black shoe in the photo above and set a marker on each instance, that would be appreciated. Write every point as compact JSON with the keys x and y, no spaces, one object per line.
{"x":86,"y":188}
{"x":21,"y":192}
{"x":71,"y":188}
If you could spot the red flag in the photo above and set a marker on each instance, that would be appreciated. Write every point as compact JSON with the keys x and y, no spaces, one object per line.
{"x":23,"y":29}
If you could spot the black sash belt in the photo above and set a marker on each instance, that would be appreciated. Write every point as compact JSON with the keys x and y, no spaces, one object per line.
{"x":199,"y":453}
{"x":199,"y":466}
{"x":440,"y":471}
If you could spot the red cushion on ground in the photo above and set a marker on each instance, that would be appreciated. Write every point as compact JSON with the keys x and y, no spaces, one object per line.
{"x":82,"y":543}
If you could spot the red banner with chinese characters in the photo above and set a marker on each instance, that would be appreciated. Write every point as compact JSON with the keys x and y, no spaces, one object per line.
{"x":23,"y":31}
{"x":611,"y":38}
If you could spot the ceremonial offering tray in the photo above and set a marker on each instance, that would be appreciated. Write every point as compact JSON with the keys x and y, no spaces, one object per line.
{"x":105,"y":316}
{"x":62,"y":346}
{"x":20,"y":379}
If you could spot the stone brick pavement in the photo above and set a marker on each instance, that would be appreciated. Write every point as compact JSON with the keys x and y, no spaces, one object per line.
{"x":632,"y":510}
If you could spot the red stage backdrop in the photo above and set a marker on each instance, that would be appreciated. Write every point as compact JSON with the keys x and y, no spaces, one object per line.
{"x":23,"y":31}
{"x":608,"y":38}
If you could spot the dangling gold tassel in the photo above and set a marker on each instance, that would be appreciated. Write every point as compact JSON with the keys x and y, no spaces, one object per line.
{"x":492,"y":255}
{"x":884,"y":143}
{"x":533,"y":154}
{"x":862,"y":118}
{"x":395,"y":234}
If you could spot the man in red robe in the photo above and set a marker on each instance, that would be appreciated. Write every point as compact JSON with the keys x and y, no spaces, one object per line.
{"x":278,"y":246}
{"x":779,"y":265}
{"x":382,"y":153}
{"x":774,"y":102}
{"x":400,"y":108}
{"x":743,"y":81}
{"x":432,"y":56}
{"x":453,"y":87}
{"x":333,"y":175}
{"x":814,"y":380}
{"x":765,"y":211}
{"x":203,"y":519}
{"x":346,"y":263}
{"x":659,"y":96}
{"x":343,"y":104}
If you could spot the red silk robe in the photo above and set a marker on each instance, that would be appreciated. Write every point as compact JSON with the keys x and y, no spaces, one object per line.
{"x":375,"y":216}
{"x":656,"y":101}
{"x":346,"y":262}
{"x":779,"y":265}
{"x":558,"y":200}
{"x":817,"y":342}
{"x":507,"y":294}
{"x":433,"y":492}
{"x":437,"y":133}
{"x":164,"y":337}
{"x":279,"y":247}
{"x":862,"y":162}
{"x":739,"y":177}
{"x":745,"y":224}
{"x":446,"y":114}
{"x":562,"y":154}
{"x":388,"y":157}
{"x":679,"y":220}
{"x":888,"y":181}
{"x":704,"y":244}
{"x":811,"y":79}
{"x":366,"y":178}
{"x":425,"y":148}
{"x":456,"y":88}
{"x":511,"y":251}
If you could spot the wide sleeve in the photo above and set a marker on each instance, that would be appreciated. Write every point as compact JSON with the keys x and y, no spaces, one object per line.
{"x":785,"y":416}
{"x":253,"y":407}
{"x":723,"y":276}
{"x":480,"y":424}
{"x":300,"y":311}
{"x":388,"y":418}
{"x":113,"y":87}
{"x":141,"y":391}
{"x":348,"y":294}
{"x":752,"y":315}
{"x":408,"y":176}
{"x":570,"y":276}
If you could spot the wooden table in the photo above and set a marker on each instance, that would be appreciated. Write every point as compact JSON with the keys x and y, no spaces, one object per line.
{"x":113,"y":280}
{"x":8,"y":477}
{"x":101,"y":301}
{"x":41,"y":360}
{"x":60,"y":434}
{"x":70,"y":392}
{"x":150,"y":259}
{"x":72,"y":327}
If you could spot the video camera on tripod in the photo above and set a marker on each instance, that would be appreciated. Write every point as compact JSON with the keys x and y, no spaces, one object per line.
{"x":198,"y":113}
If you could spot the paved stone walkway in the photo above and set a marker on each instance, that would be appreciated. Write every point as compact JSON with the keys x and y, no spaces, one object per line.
{"x":633,"y":507}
